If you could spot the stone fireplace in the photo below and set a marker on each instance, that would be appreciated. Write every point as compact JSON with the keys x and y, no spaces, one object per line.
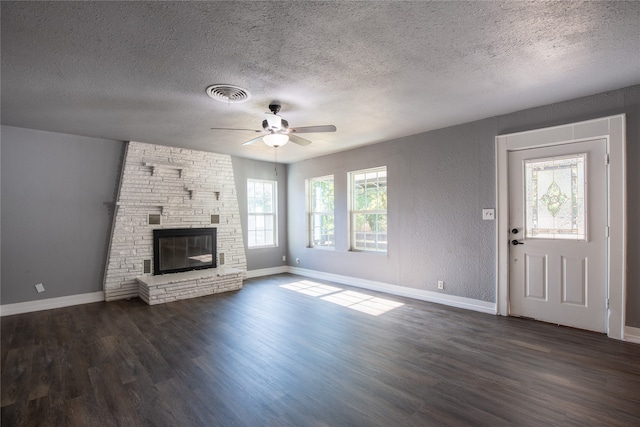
{"x":168,"y":188}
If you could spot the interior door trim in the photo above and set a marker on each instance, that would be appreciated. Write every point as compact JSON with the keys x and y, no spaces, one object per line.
{"x":613,"y":129}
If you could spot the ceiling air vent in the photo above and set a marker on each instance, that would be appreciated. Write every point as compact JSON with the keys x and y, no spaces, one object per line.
{"x":228,"y":93}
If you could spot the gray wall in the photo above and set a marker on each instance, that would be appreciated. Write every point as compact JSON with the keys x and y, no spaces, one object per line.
{"x":242,"y":170}
{"x":56,"y":216}
{"x":439,"y":182}
{"x":54,"y":189}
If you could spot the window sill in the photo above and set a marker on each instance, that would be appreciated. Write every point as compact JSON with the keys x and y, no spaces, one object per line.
{"x":359,"y":251}
{"x":262,"y":247}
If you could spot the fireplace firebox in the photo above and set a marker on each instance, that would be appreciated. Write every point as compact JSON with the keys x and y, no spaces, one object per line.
{"x":183,"y":249}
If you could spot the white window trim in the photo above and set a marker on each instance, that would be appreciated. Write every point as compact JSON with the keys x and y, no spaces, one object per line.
{"x":274,"y":213}
{"x":310,"y":213}
{"x":352,"y":212}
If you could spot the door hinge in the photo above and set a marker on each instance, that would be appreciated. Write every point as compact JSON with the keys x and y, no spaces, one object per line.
{"x":607,"y":303}
{"x":606,"y":159}
{"x":606,"y":231}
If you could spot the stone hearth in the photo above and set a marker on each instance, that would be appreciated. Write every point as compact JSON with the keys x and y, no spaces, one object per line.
{"x":190,"y":284}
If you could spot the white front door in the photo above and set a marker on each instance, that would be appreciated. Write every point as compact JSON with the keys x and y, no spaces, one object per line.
{"x":559,"y":234}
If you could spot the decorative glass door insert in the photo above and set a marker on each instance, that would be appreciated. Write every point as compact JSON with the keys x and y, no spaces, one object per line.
{"x":555,"y":203}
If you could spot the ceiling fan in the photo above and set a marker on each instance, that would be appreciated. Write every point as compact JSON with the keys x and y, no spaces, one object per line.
{"x":276,"y":131}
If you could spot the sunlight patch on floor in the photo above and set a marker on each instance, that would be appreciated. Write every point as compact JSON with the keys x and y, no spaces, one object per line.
{"x":350,"y":299}
{"x":311,"y":288}
{"x":363,"y":302}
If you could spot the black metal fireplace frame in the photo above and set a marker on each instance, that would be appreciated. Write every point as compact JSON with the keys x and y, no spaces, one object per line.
{"x":160,"y":233}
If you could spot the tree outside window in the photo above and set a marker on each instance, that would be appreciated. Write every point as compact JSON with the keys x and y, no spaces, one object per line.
{"x":369,"y":210}
{"x":321,"y":212}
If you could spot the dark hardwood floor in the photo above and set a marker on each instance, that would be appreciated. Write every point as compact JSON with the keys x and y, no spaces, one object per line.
{"x":271,"y":356}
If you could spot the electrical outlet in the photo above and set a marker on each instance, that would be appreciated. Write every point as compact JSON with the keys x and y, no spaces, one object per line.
{"x":488,"y":214}
{"x":440,"y":284}
{"x":284,"y":257}
{"x":40,"y":288}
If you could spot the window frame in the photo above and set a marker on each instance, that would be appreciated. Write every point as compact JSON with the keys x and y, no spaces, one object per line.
{"x":311,"y":213}
{"x":273,"y":214}
{"x":353,"y":212}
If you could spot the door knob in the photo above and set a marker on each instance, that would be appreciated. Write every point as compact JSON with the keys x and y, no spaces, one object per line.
{"x":514,"y":231}
{"x":516,"y":242}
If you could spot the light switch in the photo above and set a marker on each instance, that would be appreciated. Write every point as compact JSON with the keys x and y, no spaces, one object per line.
{"x":488,"y":214}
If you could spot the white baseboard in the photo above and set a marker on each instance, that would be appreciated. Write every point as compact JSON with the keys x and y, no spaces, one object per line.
{"x":267,"y":271}
{"x":49,"y":303}
{"x":450,"y":300}
{"x":632,"y":334}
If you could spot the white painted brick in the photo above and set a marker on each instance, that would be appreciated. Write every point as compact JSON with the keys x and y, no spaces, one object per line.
{"x":164,"y":192}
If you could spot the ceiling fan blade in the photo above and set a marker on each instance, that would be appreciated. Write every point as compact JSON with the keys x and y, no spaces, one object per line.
{"x":310,"y":129}
{"x":253,"y":141}
{"x":250,"y":130}
{"x":298,"y":140}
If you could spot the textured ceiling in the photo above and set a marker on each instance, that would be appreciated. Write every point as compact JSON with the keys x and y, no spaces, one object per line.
{"x":377,"y":70}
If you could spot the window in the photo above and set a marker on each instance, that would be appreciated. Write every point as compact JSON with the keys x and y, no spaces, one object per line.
{"x":320,"y":211}
{"x":555,"y":198}
{"x":369,"y":209}
{"x":261,"y":209}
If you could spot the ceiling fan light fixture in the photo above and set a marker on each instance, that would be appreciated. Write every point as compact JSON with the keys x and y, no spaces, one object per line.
{"x":275,"y":139}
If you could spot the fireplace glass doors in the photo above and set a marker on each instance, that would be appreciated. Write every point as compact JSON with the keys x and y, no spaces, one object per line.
{"x":183,"y":249}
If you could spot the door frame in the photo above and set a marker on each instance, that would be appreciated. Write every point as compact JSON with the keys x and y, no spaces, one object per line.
{"x":613,"y":130}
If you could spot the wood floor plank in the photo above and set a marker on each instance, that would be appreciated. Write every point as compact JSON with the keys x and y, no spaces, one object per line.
{"x":182,"y":406}
{"x":45,"y":411}
{"x":111,"y":397}
{"x":16,"y":377}
{"x":144,"y":397}
{"x":81,"y":411}
{"x":270,"y":356}
{"x":41,"y":369}
{"x":75,"y":366}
